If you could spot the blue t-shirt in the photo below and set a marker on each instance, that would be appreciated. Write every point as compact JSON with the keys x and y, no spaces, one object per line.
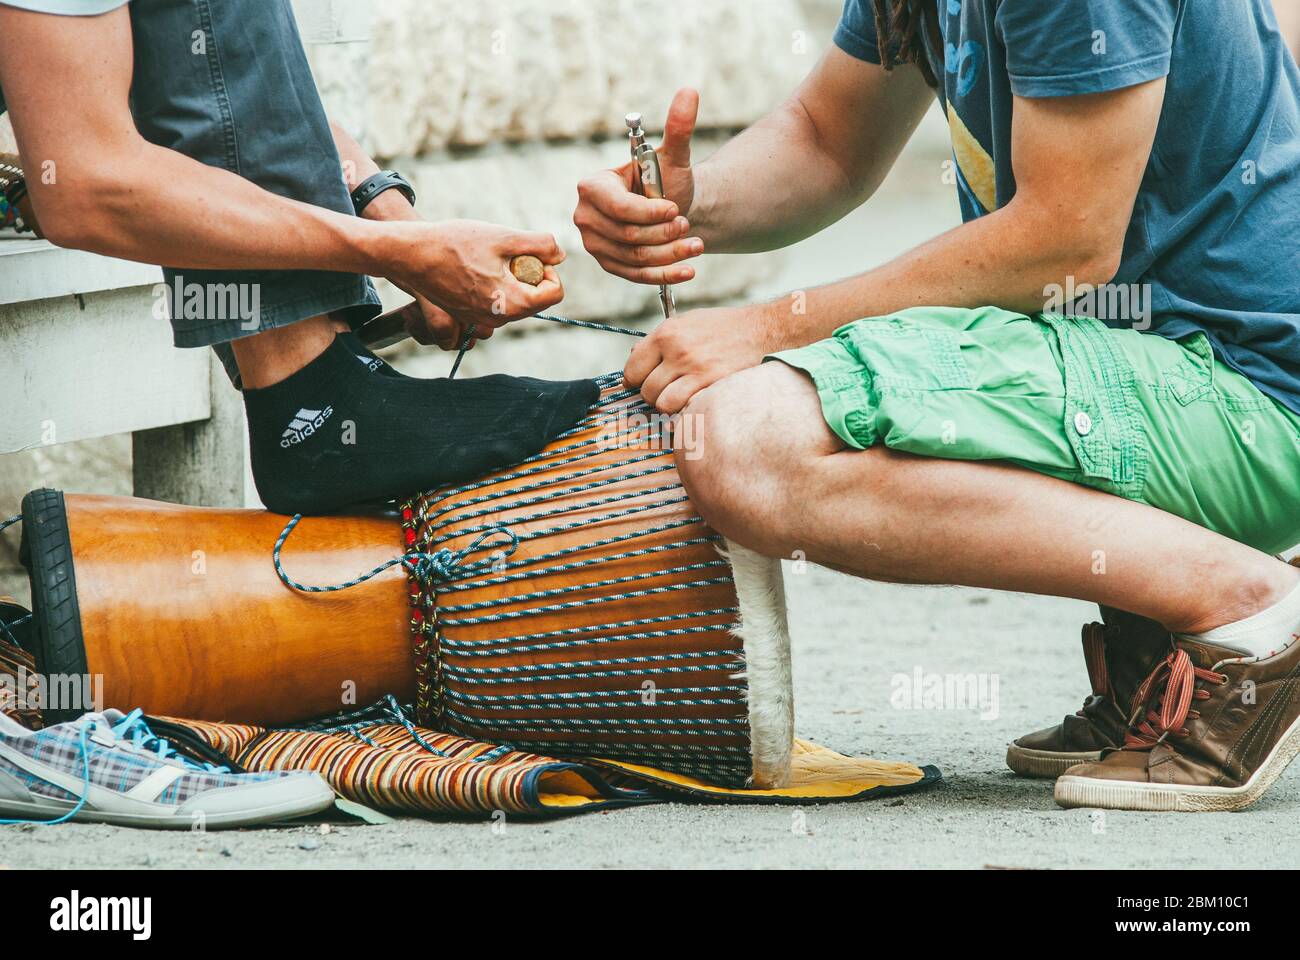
{"x":1215,"y":231}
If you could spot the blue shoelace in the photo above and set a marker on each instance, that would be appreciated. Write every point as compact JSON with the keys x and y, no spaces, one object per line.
{"x":145,"y":739}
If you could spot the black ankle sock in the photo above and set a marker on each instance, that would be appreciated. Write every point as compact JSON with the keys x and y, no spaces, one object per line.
{"x":368,"y":357}
{"x":342,"y":430}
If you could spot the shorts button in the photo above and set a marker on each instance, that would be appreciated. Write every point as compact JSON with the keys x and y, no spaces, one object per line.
{"x":1082,"y":424}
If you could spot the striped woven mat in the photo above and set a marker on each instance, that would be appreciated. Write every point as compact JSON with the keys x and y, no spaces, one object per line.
{"x":394,"y":766}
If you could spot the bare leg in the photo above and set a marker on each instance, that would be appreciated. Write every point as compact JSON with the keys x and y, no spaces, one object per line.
{"x":267,"y":358}
{"x":767,"y":472}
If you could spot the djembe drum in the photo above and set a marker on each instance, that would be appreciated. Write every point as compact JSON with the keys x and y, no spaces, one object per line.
{"x":574,"y":605}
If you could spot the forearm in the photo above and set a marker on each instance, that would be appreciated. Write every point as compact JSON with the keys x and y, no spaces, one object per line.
{"x":187,"y":214}
{"x":1007,"y":259}
{"x":812,"y":160}
{"x":358,"y":166}
{"x":772,"y":185}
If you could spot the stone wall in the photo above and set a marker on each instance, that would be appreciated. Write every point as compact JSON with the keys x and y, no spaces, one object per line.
{"x":444,"y":74}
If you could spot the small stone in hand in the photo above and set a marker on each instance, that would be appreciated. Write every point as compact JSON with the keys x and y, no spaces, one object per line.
{"x":527,"y":270}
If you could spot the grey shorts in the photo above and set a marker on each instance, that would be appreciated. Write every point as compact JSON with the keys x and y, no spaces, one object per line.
{"x":226,"y":82}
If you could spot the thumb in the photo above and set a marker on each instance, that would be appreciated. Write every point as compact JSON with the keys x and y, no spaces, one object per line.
{"x":676,"y":147}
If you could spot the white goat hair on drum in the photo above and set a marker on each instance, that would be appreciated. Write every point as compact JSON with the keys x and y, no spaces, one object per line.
{"x":764,"y":631}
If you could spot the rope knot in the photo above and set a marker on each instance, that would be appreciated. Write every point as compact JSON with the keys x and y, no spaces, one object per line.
{"x":439,"y":566}
{"x":428,"y":567}
{"x":447,"y":564}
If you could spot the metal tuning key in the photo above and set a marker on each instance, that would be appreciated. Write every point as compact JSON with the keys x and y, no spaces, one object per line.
{"x":649,"y":183}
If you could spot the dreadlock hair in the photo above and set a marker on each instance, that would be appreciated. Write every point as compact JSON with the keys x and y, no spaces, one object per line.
{"x":903,"y":28}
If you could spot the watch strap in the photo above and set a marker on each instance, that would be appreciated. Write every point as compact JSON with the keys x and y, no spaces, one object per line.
{"x":373,"y":186}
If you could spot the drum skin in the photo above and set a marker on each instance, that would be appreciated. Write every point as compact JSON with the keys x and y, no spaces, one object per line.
{"x":183,"y":614}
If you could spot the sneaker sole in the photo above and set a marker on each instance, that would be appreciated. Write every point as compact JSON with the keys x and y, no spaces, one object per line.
{"x":1164,"y":797}
{"x":288,"y":808}
{"x":1045,"y":764}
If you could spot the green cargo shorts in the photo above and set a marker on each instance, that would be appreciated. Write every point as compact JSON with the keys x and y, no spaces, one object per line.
{"x":1134,"y":414}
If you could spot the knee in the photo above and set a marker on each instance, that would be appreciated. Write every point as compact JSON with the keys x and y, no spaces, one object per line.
{"x":734,"y":455}
{"x":710,"y":451}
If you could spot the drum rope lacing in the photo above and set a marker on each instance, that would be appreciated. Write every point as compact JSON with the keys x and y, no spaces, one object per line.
{"x":588,"y":324}
{"x":447,"y":513}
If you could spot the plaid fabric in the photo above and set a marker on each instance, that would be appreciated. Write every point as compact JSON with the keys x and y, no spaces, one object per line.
{"x":118,"y":768}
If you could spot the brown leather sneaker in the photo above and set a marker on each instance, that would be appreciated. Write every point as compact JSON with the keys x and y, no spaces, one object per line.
{"x":1212,"y":730}
{"x":1119,"y":655}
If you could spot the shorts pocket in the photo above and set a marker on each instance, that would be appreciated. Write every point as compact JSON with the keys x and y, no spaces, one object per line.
{"x":1191,"y":378}
{"x":1102,"y":416}
{"x":902,"y":355}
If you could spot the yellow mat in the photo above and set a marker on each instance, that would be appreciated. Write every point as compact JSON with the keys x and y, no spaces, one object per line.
{"x":818,"y":774}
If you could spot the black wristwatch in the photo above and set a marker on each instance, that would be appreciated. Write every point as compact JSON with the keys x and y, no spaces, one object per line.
{"x":372,"y":187}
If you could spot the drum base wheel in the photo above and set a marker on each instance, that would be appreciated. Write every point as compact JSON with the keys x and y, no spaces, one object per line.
{"x":46,"y":551}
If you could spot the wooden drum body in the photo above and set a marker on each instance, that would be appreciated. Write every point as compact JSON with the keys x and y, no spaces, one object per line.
{"x":180,"y":611}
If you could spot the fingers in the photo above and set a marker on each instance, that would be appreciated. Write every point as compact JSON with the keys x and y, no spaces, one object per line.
{"x":592,"y":222}
{"x":655,"y":384}
{"x":632,"y":247}
{"x":643,"y":255}
{"x":675,"y":150}
{"x":645,"y":357}
{"x":674,"y":397}
{"x":540,"y":245}
{"x":541,"y":297}
{"x":608,"y":193}
{"x":679,"y":273}
{"x":668,"y":392}
{"x":513,"y":300}
{"x":429,"y":324}
{"x":632,"y":237}
{"x":469,"y":329}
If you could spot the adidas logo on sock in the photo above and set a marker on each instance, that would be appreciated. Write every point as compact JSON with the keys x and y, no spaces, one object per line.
{"x":372,"y":363}
{"x":303,"y":425}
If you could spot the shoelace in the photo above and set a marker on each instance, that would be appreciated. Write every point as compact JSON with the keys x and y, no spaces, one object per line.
{"x":142,"y":738}
{"x":1174,"y":684}
{"x":1094,"y":658}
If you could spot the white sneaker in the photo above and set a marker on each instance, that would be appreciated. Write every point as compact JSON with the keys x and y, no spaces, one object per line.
{"x":111,"y":768}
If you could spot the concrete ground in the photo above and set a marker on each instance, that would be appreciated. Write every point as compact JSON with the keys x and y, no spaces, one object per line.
{"x":852,"y":640}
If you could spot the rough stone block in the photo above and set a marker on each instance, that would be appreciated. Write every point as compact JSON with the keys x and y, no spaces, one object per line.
{"x":443,"y":74}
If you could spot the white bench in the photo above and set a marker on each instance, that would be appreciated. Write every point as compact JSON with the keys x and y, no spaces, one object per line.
{"x":85,"y":352}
